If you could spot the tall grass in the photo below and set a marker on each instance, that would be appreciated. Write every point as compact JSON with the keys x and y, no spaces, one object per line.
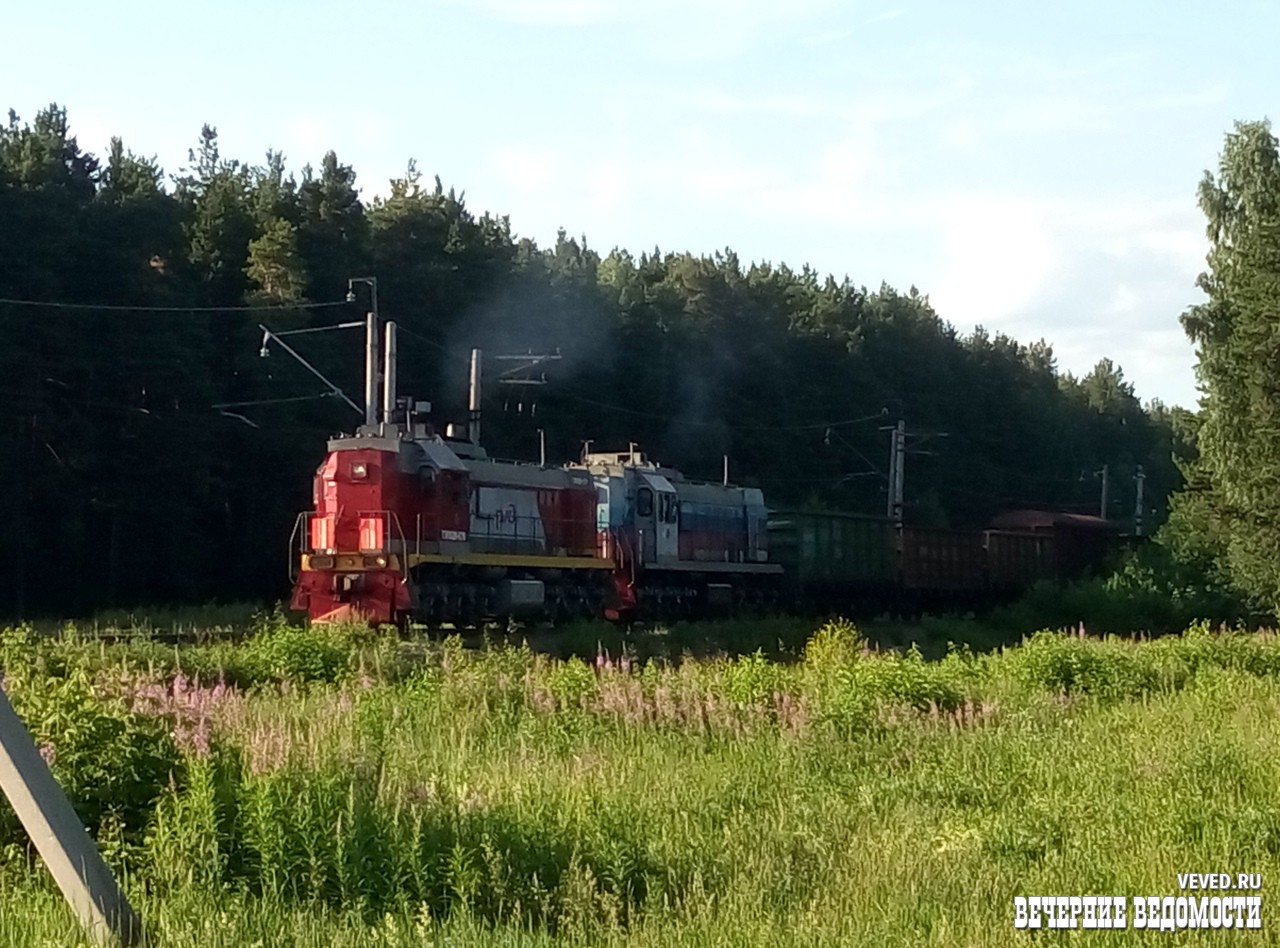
{"x":352,"y":790}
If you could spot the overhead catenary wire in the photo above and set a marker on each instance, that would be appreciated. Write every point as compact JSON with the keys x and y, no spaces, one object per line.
{"x":274,"y":401}
{"x":126,"y":307}
{"x":693,"y":422}
{"x":688,"y":422}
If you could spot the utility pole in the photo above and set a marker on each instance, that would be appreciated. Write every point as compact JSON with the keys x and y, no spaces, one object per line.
{"x":1105,"y":474}
{"x":898,"y":451}
{"x":1140,"y":477}
{"x":528,"y":361}
{"x":60,"y":838}
{"x":370,"y":347}
{"x":893,"y":471}
{"x":897,"y":465}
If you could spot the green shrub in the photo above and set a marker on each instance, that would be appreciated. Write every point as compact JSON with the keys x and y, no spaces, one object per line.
{"x":111,"y":762}
{"x":909,"y":680}
{"x":571,"y":682}
{"x":300,"y":654}
{"x":848,"y":685}
{"x":753,"y":680}
{"x":1070,"y":664}
{"x":836,"y":644}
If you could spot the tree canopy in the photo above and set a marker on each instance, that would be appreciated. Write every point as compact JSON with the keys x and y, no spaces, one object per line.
{"x":151,"y":455}
{"x":1228,"y":518}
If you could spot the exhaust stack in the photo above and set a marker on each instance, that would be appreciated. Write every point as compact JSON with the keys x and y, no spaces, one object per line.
{"x":371,"y":369}
{"x":389,"y":374}
{"x":473,"y":398}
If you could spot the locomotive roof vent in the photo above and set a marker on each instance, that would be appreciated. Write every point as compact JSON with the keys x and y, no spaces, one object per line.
{"x":628,"y":458}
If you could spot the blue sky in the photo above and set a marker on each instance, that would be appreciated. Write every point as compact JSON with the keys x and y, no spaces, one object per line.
{"x":1031,"y":167}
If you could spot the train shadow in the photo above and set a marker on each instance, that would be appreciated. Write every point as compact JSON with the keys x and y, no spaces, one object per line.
{"x":780,"y":639}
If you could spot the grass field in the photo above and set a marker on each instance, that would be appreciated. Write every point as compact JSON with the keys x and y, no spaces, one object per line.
{"x":338,"y":788}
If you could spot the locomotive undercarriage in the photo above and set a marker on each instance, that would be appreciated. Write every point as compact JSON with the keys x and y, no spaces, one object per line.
{"x":689,"y":595}
{"x":464,"y":594}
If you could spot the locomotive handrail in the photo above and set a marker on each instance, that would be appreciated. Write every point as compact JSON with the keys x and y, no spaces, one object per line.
{"x":623,"y":554}
{"x":300,"y":532}
{"x":404,"y":544}
{"x":392,"y":526}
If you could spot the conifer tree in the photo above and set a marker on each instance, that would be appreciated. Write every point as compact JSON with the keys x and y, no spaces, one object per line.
{"x":1237,"y":335}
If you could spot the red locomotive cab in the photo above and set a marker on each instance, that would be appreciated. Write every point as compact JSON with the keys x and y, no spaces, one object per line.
{"x":353,"y":544}
{"x":435,"y":504}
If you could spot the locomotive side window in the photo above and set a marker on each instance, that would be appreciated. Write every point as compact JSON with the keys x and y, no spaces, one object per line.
{"x":644,"y":502}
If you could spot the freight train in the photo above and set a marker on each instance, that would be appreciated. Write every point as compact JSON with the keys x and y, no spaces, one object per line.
{"x":410,"y":525}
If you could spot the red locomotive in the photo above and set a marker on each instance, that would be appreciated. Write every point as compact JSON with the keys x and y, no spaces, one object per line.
{"x":409,"y":524}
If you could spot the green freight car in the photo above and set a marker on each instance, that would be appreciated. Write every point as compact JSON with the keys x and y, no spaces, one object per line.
{"x":832,"y":560}
{"x":858,"y":564}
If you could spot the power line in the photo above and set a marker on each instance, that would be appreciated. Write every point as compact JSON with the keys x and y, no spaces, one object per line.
{"x":693,"y":423}
{"x":874,"y":470}
{"x":715,"y":424}
{"x":401,"y":328}
{"x":121,"y":308}
{"x":272,"y":401}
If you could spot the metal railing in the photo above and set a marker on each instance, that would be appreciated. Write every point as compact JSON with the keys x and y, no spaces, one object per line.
{"x":386,"y":535}
{"x":383,"y":526}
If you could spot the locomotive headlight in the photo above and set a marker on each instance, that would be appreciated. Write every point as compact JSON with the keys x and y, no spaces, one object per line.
{"x":359,"y":471}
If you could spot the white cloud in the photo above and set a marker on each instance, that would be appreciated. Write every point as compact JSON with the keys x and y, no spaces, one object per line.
{"x":609,"y":189}
{"x":1186,"y":245}
{"x":998,"y":253}
{"x":1155,"y":361}
{"x":307,"y":135}
{"x":1124,"y":300}
{"x":527,"y":167}
{"x":961,"y":135}
{"x":719,"y":102}
{"x":94,"y":134}
{"x":679,"y":29}
{"x":827,"y":36}
{"x":557,"y":12}
{"x":1211,"y":95}
{"x":861,"y":110}
{"x":1030,"y":115}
